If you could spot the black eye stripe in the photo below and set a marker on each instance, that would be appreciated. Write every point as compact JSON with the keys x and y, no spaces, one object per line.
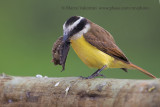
{"x":71,"y":20}
{"x":79,"y":27}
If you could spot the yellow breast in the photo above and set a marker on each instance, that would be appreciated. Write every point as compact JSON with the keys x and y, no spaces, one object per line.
{"x":89,"y":54}
{"x":93,"y":57}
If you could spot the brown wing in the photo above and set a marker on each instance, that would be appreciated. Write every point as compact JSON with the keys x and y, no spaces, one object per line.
{"x":102,"y":40}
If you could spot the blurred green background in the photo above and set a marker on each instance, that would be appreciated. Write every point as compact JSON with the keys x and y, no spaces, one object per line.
{"x":29,"y":28}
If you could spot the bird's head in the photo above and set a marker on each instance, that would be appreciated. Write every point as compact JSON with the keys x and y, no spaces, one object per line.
{"x":75,"y":27}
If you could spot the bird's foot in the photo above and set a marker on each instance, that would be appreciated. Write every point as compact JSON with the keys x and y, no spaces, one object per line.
{"x":96,"y":74}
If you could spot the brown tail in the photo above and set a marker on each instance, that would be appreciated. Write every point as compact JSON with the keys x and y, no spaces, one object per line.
{"x":142,"y":70}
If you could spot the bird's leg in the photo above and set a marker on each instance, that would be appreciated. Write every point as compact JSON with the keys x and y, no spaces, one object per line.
{"x":95,"y":74}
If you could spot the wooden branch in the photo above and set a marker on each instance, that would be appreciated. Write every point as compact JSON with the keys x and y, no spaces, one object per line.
{"x":75,"y":92}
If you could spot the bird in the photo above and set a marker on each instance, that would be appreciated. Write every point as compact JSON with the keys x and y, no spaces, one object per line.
{"x":95,"y":46}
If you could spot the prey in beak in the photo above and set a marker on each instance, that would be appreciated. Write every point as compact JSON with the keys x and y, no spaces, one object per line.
{"x":60,"y":51}
{"x":65,"y":46}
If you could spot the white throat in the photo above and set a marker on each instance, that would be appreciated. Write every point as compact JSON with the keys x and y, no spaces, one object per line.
{"x":79,"y":34}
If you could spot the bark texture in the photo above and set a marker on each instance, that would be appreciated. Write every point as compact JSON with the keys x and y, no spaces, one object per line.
{"x":75,"y":92}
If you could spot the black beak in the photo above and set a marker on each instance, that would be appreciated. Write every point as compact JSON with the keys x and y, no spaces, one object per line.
{"x":65,"y":37}
{"x":64,"y":50}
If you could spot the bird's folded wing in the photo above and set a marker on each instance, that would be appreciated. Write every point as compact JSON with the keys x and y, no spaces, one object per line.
{"x":105,"y":43}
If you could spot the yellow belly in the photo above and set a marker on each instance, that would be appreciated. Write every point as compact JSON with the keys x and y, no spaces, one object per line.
{"x":93,"y":57}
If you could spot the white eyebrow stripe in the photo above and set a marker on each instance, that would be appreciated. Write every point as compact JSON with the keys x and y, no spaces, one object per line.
{"x":70,"y":27}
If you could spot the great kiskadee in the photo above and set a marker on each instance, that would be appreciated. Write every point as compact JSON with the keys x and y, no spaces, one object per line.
{"x":95,"y":46}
